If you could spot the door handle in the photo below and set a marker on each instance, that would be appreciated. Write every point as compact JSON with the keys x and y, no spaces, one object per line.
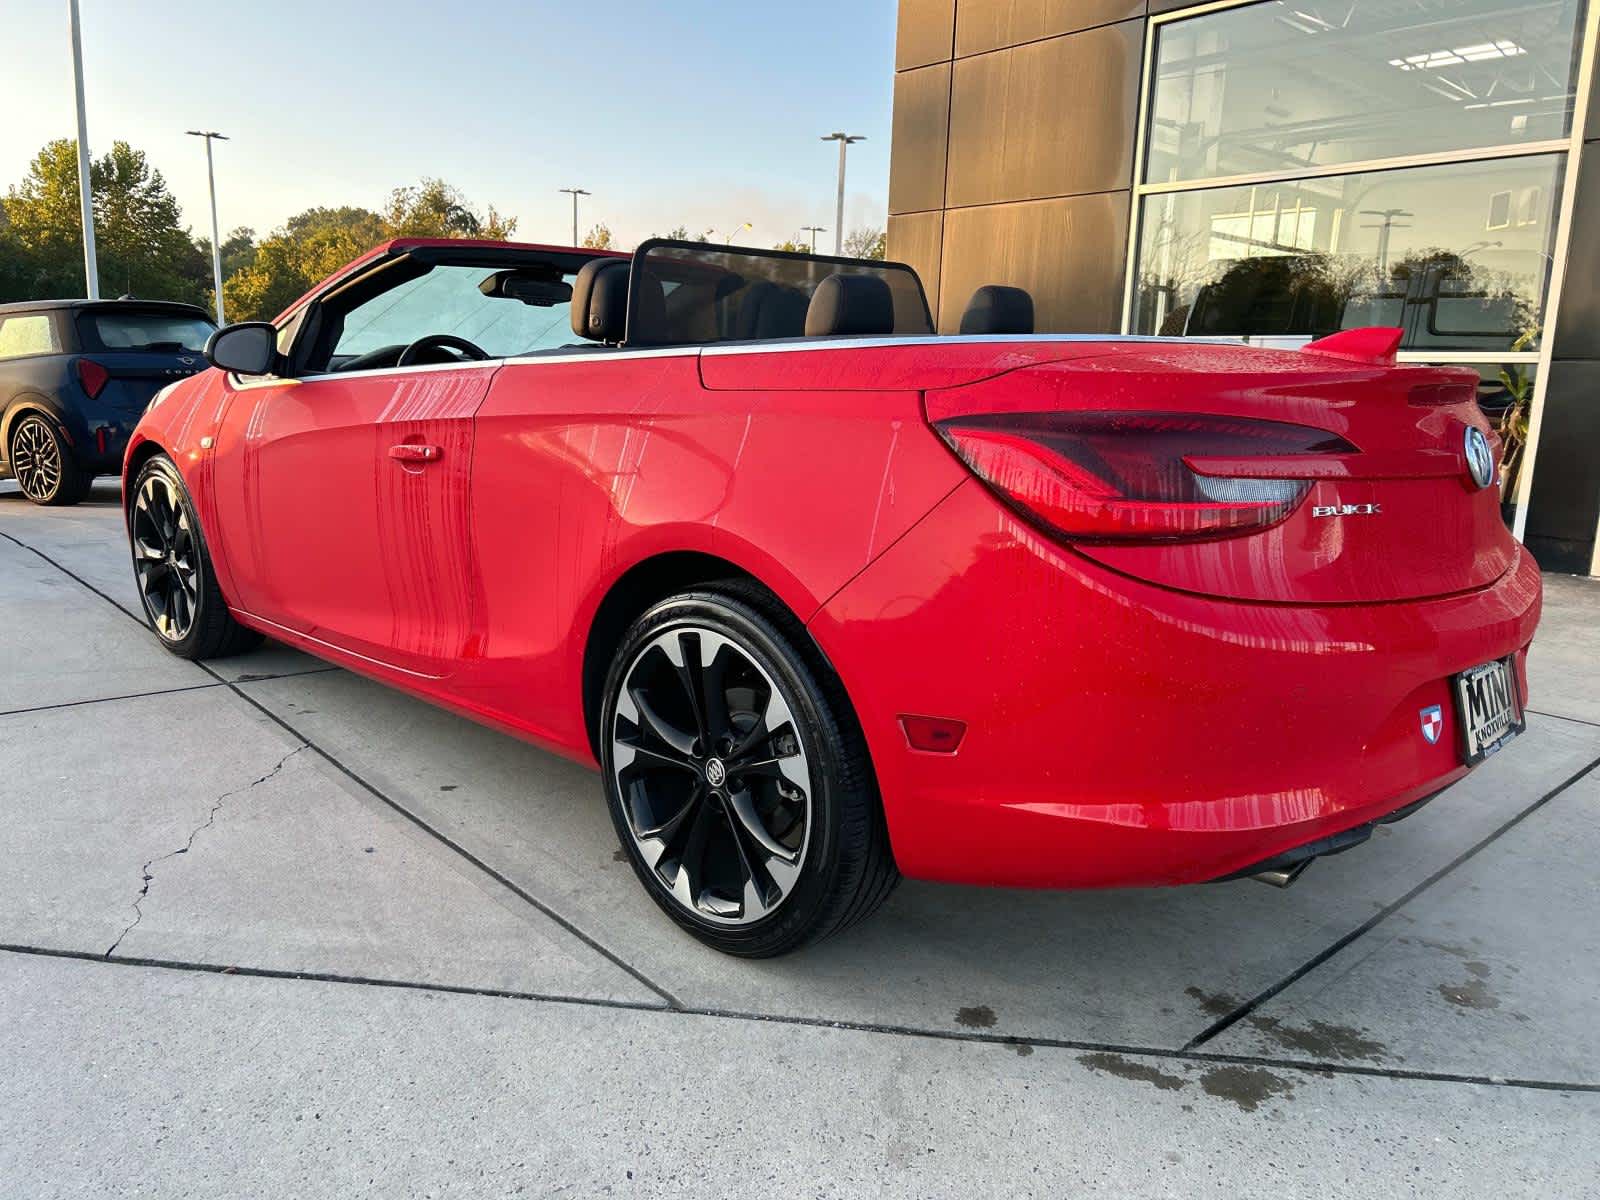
{"x":411,"y":452}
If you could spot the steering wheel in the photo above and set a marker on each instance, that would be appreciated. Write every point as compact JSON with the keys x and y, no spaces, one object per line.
{"x":441,"y":341}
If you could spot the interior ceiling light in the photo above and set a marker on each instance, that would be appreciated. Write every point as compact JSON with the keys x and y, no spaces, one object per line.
{"x":1481,"y":52}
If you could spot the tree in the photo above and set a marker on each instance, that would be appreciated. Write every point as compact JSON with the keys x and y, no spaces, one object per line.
{"x":866,"y":243}
{"x":313,"y":244}
{"x":598,"y":238}
{"x":142,"y":246}
{"x":238,"y":249}
{"x":793,"y":247}
{"x":435,"y":209}
{"x":681,"y":234}
{"x":308,"y":248}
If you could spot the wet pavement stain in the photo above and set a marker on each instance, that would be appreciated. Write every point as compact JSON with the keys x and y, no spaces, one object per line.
{"x":1213,"y":1004}
{"x":1122,"y":1068}
{"x":1322,"y":1039}
{"x":1248,"y":1087}
{"x":1023,"y":1049}
{"x":619,"y":855}
{"x":1472,"y":994}
{"x":979,"y":1016}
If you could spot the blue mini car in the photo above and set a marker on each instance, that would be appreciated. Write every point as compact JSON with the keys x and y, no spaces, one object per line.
{"x":75,"y":377}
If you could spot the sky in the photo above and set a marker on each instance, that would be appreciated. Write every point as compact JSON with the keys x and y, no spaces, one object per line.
{"x":693,"y":112}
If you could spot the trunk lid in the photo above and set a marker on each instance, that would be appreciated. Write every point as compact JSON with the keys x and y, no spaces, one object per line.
{"x":1399,"y":518}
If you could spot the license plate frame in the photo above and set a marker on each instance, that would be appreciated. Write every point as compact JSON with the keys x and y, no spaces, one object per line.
{"x":1488,"y":708}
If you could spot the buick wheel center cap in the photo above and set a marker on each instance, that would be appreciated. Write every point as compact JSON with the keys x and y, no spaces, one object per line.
{"x":716,"y":773}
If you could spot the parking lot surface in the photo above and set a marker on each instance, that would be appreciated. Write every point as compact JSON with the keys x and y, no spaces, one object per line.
{"x":270,"y":928}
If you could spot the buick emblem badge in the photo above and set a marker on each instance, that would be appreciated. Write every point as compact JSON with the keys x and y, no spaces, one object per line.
{"x":1480,"y":459}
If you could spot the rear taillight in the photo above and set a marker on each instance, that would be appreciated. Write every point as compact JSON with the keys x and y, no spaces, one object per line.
{"x":93,"y":377}
{"x":1121,"y":476}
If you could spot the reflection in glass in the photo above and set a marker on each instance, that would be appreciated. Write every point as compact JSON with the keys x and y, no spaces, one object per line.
{"x":1277,"y":87}
{"x":1456,"y":255}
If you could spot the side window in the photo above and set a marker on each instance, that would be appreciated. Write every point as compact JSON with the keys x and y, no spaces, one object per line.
{"x":33,"y":333}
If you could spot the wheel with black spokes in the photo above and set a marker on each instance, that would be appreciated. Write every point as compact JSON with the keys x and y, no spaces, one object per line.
{"x":177,"y":586}
{"x":165,"y":557}
{"x":738,"y":780}
{"x":43,"y":465}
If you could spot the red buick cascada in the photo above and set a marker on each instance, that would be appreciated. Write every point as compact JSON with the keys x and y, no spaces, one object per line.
{"x":830,"y":599}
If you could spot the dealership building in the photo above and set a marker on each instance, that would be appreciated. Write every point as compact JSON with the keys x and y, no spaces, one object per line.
{"x":1278,"y":170}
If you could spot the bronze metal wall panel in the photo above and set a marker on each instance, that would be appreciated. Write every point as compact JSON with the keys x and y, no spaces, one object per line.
{"x":917,"y":239}
{"x":1565,"y":502}
{"x":1578,"y":321}
{"x":1068,"y":252}
{"x":1051,"y":118}
{"x":926,"y":33}
{"x":921,"y":131}
{"x":984,"y":25}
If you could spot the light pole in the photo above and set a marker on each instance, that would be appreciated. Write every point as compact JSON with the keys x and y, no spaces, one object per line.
{"x":91,"y":272}
{"x":575,"y":193}
{"x":211,"y":135}
{"x":813,"y":230}
{"x":728,"y":241}
{"x":844,"y":140}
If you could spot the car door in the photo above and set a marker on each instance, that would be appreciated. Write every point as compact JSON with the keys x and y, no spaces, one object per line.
{"x":350,"y":494}
{"x":343,"y":488}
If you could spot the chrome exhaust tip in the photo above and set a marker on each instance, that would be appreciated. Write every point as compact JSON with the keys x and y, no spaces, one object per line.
{"x":1282,"y":877}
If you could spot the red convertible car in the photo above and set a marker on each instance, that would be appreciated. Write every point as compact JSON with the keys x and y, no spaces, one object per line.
{"x":829,"y":598}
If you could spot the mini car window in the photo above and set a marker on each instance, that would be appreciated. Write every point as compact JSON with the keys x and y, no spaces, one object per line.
{"x":464,"y":302}
{"x":151,"y":331}
{"x":34,"y":333}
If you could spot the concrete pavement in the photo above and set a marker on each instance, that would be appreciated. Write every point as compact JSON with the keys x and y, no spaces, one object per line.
{"x":441,"y":981}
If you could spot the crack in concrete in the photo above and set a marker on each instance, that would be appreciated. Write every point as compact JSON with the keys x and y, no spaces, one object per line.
{"x":146,"y":878}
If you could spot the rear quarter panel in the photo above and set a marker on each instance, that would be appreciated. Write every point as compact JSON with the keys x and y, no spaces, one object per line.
{"x":587,"y":467}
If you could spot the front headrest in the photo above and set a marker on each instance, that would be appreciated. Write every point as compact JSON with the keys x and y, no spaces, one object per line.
{"x":996,"y":309}
{"x":850,"y":304}
{"x":600,"y":300}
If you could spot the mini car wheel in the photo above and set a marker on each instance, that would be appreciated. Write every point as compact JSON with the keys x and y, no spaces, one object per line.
{"x":737,"y":777}
{"x":43,"y":465}
{"x":176,"y":583}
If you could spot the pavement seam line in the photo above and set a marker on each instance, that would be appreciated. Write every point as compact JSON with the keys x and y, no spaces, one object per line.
{"x":445,"y":839}
{"x":1537,"y":712}
{"x":504,"y":881}
{"x":1229,"y":1020}
{"x":216,"y":806}
{"x":216,"y":682}
{"x":975,"y":1037}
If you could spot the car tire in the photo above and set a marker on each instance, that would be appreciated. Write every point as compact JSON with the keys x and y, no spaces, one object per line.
{"x":172,"y":568}
{"x":43,"y":464}
{"x":754,"y":822}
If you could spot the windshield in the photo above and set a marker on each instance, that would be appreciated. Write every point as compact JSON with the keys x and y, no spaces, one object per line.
{"x":463,"y":302}
{"x":152,"y":331}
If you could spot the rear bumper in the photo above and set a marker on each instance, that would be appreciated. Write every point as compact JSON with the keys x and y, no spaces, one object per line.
{"x":1119,"y":733}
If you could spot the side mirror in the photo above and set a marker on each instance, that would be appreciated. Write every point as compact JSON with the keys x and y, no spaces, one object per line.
{"x":248,"y":348}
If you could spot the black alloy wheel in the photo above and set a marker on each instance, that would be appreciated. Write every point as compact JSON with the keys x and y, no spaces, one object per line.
{"x":738,"y":781}
{"x":177,"y":586}
{"x":42,"y":463}
{"x":166,"y":557}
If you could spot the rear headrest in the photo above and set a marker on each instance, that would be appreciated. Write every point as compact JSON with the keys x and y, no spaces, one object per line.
{"x":600,"y":300}
{"x":996,"y":309}
{"x":846,"y":304}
